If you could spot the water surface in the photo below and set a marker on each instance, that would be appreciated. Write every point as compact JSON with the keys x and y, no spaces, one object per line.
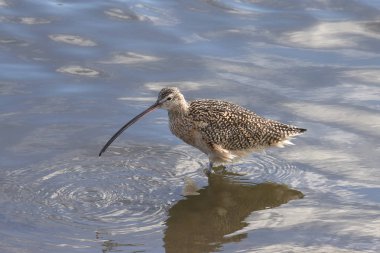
{"x":73,"y":72}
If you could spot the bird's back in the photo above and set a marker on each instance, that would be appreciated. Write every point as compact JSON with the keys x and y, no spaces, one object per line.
{"x":235,"y":128}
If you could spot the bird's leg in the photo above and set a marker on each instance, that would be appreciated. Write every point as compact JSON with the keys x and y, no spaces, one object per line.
{"x":209,"y":169}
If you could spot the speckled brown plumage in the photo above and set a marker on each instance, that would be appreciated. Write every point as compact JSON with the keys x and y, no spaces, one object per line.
{"x":222,"y":130}
{"x":236,"y":128}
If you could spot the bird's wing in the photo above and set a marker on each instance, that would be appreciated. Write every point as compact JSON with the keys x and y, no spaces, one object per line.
{"x":233,"y":127}
{"x":228,"y":125}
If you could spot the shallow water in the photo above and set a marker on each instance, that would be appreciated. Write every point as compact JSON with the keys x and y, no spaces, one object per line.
{"x":73,"y":72}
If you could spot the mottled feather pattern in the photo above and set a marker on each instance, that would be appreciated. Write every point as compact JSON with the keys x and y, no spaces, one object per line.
{"x":236,"y":128}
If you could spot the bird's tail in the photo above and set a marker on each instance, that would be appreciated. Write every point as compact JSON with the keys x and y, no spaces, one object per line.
{"x":292,"y":133}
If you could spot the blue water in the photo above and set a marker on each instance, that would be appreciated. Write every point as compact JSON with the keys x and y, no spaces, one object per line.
{"x":73,"y":72}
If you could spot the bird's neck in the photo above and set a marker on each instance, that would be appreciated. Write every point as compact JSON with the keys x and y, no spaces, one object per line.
{"x":178,"y":119}
{"x":181,"y":109}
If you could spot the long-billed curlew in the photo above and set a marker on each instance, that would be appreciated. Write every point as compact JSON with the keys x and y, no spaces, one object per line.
{"x":222,"y":130}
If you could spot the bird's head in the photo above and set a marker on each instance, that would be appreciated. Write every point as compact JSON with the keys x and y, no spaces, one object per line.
{"x":170,"y":98}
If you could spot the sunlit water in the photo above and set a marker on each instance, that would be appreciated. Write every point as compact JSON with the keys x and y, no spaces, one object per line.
{"x":73,"y":72}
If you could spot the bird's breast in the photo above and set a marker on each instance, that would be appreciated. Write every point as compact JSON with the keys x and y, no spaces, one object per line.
{"x":188,"y":131}
{"x":181,"y":127}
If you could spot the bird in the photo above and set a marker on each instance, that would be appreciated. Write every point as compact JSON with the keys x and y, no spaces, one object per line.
{"x":224,"y":131}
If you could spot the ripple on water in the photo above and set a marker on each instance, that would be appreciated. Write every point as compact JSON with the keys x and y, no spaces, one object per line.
{"x":123,"y":14}
{"x":76,"y":196}
{"x":72,"y":39}
{"x":151,"y":13}
{"x":130,"y":58}
{"x":112,"y":193}
{"x":78,"y":70}
{"x":129,"y":190}
{"x":179,"y":161}
{"x":187,"y":162}
{"x":265,"y":167}
{"x":33,"y":21}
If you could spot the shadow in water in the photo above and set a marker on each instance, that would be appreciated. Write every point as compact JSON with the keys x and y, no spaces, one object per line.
{"x":112,"y":246}
{"x":199,"y":223}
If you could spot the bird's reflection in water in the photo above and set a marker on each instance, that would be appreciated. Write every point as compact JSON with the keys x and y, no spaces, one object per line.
{"x":200,"y":222}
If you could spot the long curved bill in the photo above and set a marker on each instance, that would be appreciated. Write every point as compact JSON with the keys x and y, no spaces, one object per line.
{"x":131,"y":122}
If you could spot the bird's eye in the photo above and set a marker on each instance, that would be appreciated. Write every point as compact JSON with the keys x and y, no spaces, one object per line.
{"x":169,"y":98}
